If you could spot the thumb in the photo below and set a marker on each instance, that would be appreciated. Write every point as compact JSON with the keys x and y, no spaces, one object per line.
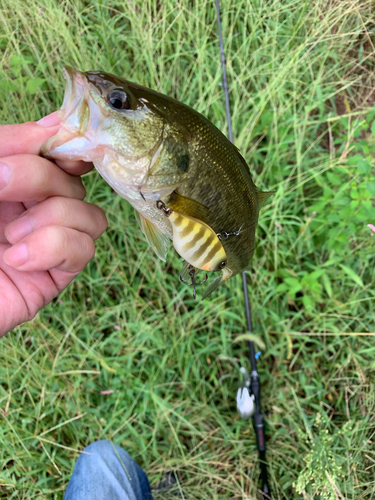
{"x":29,"y":137}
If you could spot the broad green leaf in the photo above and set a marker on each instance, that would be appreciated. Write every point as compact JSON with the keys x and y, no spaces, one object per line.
{"x":352,"y":275}
{"x":355,"y":159}
{"x":364,"y":166}
{"x":33,"y":85}
{"x":370,"y":116}
{"x":308,"y":302}
{"x":327,"y":284}
{"x":8,"y":86}
{"x":16,"y":63}
{"x":371,"y":187}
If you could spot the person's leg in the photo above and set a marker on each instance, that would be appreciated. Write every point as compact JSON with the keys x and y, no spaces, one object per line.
{"x":106,"y":471}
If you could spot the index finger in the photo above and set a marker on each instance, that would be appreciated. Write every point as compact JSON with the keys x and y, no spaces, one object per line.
{"x":29,"y":137}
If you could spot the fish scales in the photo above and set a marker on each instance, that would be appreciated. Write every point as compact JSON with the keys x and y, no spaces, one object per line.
{"x":151,"y":147}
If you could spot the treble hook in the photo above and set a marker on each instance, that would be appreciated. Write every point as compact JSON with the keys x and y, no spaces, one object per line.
{"x":193,"y":282}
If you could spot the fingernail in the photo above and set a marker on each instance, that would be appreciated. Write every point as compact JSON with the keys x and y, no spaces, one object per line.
{"x":16,"y":255}
{"x":4,"y":175}
{"x":19,"y":229}
{"x":49,"y":120}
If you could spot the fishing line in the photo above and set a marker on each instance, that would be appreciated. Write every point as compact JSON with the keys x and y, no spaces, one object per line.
{"x":248,"y":397}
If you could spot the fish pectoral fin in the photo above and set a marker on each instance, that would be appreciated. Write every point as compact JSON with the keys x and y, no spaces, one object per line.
{"x":158,"y":241}
{"x":263,"y":197}
{"x":189,"y":207}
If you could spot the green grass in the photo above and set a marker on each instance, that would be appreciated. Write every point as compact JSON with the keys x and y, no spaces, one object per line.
{"x":302,"y":97}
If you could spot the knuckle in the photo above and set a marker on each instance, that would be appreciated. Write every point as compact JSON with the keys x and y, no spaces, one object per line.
{"x":56,"y":239}
{"x":42,"y":179}
{"x":61,"y":210}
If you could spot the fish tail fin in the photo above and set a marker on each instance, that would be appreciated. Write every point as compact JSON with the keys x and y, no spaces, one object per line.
{"x":263,"y":197}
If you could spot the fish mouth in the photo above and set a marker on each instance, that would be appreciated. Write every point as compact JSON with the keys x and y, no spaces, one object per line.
{"x":80,"y":118}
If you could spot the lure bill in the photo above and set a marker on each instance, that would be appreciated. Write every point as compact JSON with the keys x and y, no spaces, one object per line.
{"x":151,"y":147}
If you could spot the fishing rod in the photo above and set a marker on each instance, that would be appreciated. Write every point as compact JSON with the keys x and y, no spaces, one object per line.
{"x":248,"y":396}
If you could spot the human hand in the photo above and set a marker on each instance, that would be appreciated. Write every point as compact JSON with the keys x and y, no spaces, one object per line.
{"x":47,"y":232}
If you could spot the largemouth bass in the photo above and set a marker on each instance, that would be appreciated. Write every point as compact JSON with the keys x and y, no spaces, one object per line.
{"x":156,"y":152}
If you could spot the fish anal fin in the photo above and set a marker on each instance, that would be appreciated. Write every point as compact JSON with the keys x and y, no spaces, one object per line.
{"x":158,"y":241}
{"x":263,"y":197}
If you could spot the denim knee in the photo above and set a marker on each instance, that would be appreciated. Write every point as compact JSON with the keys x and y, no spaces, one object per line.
{"x":104,"y":470}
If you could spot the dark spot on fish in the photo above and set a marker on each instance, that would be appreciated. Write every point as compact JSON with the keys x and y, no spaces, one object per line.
{"x":183,"y":163}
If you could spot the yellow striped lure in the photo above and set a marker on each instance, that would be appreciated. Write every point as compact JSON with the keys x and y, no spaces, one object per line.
{"x":197,"y":243}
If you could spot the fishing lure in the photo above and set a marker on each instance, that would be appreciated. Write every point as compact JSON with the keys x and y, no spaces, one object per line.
{"x":195,"y":241}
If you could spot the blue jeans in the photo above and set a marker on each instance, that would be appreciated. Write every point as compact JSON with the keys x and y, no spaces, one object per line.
{"x":107,"y":472}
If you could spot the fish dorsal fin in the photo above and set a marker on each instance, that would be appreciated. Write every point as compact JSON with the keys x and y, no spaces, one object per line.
{"x":189,"y":207}
{"x":263,"y":197}
{"x":158,"y":241}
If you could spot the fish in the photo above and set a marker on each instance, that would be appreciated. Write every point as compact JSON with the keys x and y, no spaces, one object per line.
{"x":186,"y":181}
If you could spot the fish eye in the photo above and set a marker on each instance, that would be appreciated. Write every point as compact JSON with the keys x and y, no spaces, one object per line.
{"x":118,"y":99}
{"x":222,"y":264}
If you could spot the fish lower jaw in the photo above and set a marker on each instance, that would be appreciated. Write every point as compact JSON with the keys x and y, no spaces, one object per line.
{"x":68,"y":144}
